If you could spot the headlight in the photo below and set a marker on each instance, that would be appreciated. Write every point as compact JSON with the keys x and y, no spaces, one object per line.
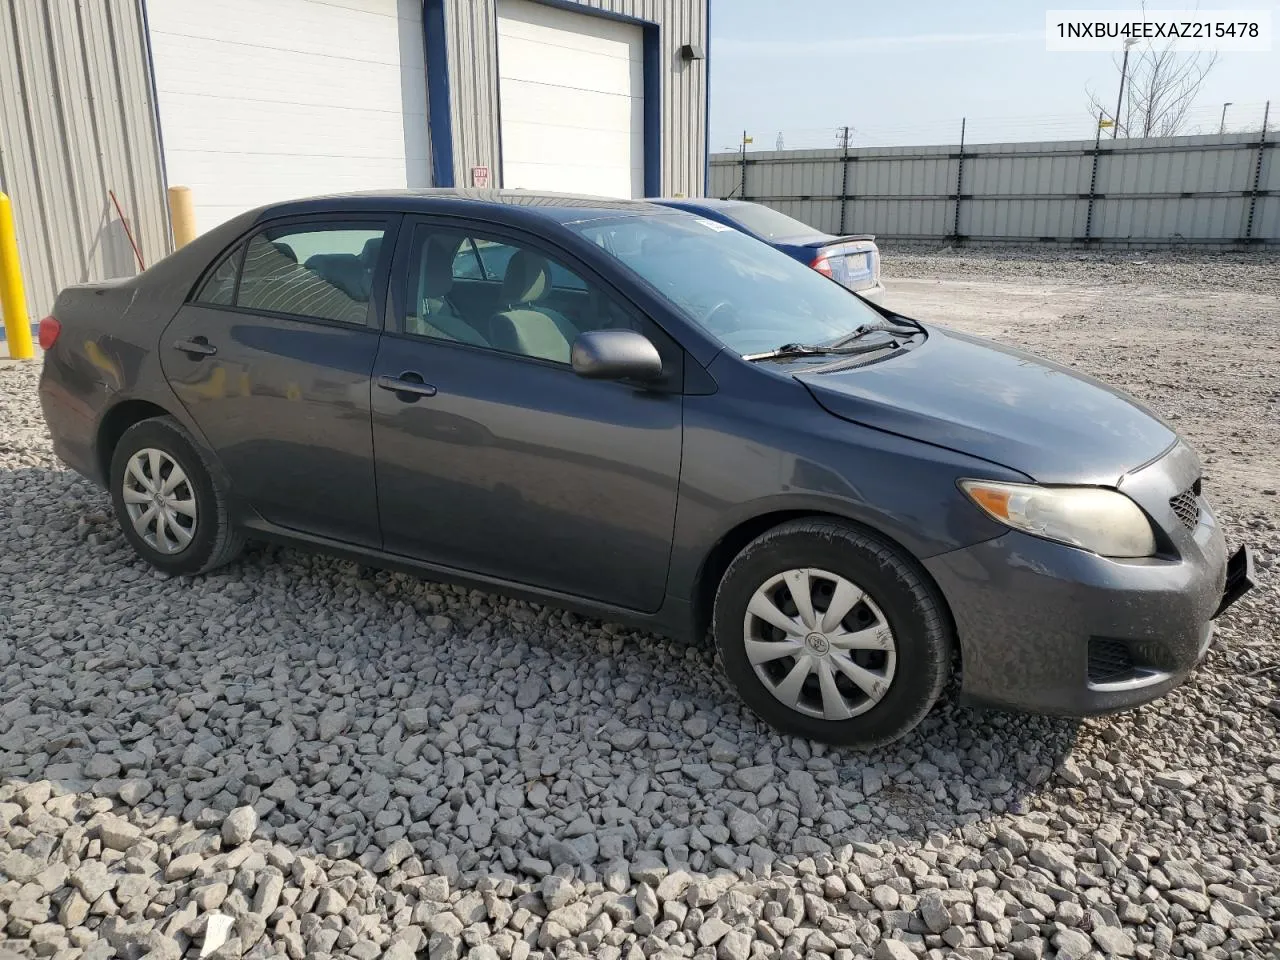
{"x":1104,"y":521}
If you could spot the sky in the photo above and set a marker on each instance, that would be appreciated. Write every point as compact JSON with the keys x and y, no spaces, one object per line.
{"x":906,"y":72}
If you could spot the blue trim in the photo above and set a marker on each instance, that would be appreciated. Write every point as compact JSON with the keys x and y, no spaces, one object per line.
{"x":706,"y":112}
{"x":35,"y":335}
{"x":651,"y":59}
{"x":439,"y":116}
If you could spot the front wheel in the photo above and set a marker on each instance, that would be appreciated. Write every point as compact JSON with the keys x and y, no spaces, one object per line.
{"x":167,"y":500}
{"x":832,"y":634}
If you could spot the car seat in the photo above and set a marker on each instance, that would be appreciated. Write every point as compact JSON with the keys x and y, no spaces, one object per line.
{"x":436,"y":315}
{"x":526,"y":326}
{"x":346,"y":271}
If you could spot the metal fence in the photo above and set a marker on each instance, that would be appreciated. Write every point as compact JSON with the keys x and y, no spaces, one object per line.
{"x":78,"y":150}
{"x":1221,"y":190}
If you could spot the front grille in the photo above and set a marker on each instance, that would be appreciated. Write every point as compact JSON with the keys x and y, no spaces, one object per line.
{"x":1109,"y":661}
{"x":1187,"y":506}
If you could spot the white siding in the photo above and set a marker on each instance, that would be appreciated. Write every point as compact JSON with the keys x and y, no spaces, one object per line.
{"x":571,"y":95}
{"x":262,"y":102}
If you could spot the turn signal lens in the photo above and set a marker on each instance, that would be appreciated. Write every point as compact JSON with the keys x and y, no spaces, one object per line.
{"x":1092,"y":518}
{"x":48,"y":333}
{"x":995,"y":502}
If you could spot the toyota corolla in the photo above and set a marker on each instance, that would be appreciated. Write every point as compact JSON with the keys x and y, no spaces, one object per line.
{"x":632,"y":411}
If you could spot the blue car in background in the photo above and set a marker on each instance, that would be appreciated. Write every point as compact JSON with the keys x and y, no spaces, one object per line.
{"x":852,"y":261}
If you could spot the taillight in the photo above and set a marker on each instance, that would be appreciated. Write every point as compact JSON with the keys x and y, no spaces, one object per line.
{"x":822,"y":265}
{"x":49,"y":330}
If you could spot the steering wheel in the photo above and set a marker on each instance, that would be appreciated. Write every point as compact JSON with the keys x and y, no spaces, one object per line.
{"x":721,"y":305}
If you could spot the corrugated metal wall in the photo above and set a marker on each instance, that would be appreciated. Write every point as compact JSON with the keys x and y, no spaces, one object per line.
{"x":471,"y":26}
{"x":76,"y":120}
{"x":1153,"y":191}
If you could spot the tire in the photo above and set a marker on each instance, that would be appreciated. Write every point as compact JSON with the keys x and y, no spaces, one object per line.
{"x":210,"y":540}
{"x":901,"y":675}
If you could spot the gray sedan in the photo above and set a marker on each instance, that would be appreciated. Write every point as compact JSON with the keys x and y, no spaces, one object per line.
{"x":630,"y":410}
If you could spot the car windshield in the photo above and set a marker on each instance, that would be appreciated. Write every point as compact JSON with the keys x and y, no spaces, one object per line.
{"x":766,"y":222}
{"x":750,"y":296}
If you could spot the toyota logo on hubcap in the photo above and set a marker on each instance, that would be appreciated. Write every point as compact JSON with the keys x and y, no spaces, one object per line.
{"x":817,"y":643}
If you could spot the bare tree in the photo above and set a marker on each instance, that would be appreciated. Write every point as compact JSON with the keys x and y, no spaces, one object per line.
{"x":1160,"y":86}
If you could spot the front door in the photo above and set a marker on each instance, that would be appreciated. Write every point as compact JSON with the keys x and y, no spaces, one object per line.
{"x":493,"y":457}
{"x":272,"y":358}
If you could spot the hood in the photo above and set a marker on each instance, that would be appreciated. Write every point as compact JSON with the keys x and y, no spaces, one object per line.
{"x":986,"y":400}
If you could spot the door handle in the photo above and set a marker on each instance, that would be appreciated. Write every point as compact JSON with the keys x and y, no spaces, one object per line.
{"x":196,"y":348}
{"x":407,"y":383}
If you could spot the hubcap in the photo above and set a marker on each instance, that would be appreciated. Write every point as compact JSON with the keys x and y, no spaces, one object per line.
{"x":160,"y":501}
{"x":819,"y":644}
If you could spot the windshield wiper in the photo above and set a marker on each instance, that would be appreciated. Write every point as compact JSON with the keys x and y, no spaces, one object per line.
{"x":842,"y":345}
{"x":789,"y":350}
{"x":812,"y":350}
{"x":861,"y":331}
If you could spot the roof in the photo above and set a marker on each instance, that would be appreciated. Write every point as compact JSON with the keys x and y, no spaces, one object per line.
{"x":562,"y":207}
{"x":711,"y":203}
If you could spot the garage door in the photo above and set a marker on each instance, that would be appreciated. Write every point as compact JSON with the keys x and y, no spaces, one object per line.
{"x":571,"y":94}
{"x":267,"y":100}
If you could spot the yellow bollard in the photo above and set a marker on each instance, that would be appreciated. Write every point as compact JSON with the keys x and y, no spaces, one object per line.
{"x":182,"y":214}
{"x":13,"y":298}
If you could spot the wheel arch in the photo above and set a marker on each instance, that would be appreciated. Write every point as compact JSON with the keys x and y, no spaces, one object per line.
{"x":115,"y":422}
{"x":722,"y":553}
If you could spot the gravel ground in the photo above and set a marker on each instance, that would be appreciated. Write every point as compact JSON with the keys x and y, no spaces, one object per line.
{"x":302,"y":756}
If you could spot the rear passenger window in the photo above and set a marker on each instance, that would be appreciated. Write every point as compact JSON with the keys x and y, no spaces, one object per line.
{"x":220,"y":288}
{"x":309,"y":271}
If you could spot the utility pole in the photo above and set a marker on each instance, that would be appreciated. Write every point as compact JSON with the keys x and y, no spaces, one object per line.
{"x":1257,"y":175}
{"x":844,"y":176}
{"x":1124,"y":69}
{"x":1222,"y":127}
{"x":955,"y":223}
{"x":1093,"y":179}
{"x":742,"y":189}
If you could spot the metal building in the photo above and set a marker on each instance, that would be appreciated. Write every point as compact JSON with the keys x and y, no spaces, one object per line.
{"x":106,"y":103}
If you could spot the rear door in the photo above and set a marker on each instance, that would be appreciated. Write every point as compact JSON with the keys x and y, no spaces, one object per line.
{"x":272,"y":356}
{"x":507,"y":464}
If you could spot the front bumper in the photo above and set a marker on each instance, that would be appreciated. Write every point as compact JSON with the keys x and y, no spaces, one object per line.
{"x":1052,"y":629}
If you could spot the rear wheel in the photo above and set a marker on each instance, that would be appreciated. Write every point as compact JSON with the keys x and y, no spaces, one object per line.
{"x":832,"y":634}
{"x":167,"y":500}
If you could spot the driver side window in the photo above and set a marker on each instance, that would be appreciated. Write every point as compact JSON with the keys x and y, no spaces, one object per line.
{"x":485,"y":292}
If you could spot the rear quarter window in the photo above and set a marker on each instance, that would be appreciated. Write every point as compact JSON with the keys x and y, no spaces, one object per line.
{"x":219,"y":288}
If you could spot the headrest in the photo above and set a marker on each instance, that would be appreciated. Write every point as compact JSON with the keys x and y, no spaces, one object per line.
{"x":371,"y":249}
{"x":345,"y":271}
{"x":527,"y":278}
{"x":285,"y":250}
{"x":437,"y":265}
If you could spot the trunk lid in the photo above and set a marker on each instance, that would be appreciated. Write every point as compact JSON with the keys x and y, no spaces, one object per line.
{"x":852,"y":261}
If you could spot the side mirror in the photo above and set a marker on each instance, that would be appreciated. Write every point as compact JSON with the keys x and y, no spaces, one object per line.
{"x":615,"y":355}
